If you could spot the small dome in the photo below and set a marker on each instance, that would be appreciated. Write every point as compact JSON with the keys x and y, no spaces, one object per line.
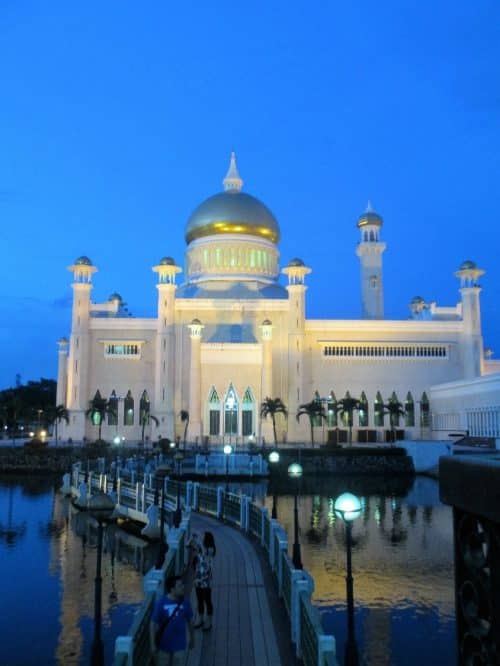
{"x":167,"y":261}
{"x":115,"y":297}
{"x":196,"y":322}
{"x":296,"y":262}
{"x":416,"y":300}
{"x":468,"y":266}
{"x":267,"y":322}
{"x":83,"y":261}
{"x":370,"y":217}
{"x":232,"y":212}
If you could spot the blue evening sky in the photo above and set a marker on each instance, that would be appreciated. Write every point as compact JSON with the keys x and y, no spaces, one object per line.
{"x":118,"y":118}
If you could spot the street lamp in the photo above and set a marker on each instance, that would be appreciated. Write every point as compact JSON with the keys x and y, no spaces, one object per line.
{"x":160,"y":480}
{"x":295,"y":472}
{"x":100,"y":507}
{"x":178,"y":513}
{"x":274,"y":457}
{"x":348,"y":507}
{"x":228,"y":449}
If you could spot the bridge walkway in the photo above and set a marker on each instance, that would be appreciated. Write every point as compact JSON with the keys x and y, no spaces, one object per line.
{"x":250,"y":626}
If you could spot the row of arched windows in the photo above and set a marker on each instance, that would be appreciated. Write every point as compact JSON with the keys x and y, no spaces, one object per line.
{"x":229,"y":415}
{"x":108,"y":409}
{"x":335,"y":417}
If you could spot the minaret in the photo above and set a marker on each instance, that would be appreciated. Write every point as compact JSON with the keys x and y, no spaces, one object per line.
{"x":369,"y":251}
{"x":165,"y":347}
{"x":62,"y":372}
{"x":195,"y":425}
{"x":472,"y":341}
{"x":78,"y":361}
{"x":296,"y":272}
{"x":266,"y":329}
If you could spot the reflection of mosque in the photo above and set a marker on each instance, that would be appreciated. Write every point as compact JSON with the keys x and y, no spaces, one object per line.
{"x":73,"y":551}
{"x":400,"y":551}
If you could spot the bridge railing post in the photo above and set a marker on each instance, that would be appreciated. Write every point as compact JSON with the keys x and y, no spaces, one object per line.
{"x":326,"y":645}
{"x":301,"y":582}
{"x":137,"y":496}
{"x":196,"y":496}
{"x":220,"y":502}
{"x":189,"y":493}
{"x":264,"y":515}
{"x":118,"y":490}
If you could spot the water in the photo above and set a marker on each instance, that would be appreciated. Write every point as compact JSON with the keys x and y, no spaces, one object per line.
{"x":47,"y":568}
{"x":402,"y":568}
{"x":402,"y":561}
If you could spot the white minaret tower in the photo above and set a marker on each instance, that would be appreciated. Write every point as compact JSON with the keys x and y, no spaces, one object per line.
{"x":472,"y":340}
{"x":369,"y":251}
{"x":195,"y":420}
{"x":165,"y":347}
{"x":296,"y":272}
{"x":77,"y":390}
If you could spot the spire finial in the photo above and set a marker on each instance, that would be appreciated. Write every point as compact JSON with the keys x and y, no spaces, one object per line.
{"x":369,"y":207}
{"x":232,"y":182}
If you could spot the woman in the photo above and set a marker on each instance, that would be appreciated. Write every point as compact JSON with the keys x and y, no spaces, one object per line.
{"x":203,"y":582}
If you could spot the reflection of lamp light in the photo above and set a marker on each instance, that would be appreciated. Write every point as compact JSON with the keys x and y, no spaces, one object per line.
{"x":348,"y":508}
{"x":295,"y":472}
{"x":100,"y":507}
{"x":274,"y":457}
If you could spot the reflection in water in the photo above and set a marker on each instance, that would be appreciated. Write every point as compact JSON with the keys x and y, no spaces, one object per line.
{"x":59,"y":545}
{"x":402,"y":566}
{"x":10,"y":531}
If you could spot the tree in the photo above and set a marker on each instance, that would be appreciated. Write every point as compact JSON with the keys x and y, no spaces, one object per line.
{"x":346,"y":407}
{"x":271,"y":407}
{"x":146,"y":418}
{"x":98,"y":409}
{"x":315,"y":411}
{"x":56,"y":415}
{"x":395,"y":409}
{"x":184,"y":414}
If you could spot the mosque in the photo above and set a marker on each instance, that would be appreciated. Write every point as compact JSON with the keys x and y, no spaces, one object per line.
{"x":231,"y":334}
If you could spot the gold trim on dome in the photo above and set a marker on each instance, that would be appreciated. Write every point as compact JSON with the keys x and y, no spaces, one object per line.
{"x":219,"y":227}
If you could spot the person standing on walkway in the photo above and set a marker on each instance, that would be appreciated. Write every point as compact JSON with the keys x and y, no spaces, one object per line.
{"x":171,"y":619}
{"x":203,"y":582}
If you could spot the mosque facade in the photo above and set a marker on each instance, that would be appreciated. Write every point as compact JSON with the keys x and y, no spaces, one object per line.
{"x":230,"y":334}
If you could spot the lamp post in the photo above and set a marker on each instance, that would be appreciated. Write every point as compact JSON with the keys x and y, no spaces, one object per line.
{"x":100,"y":507}
{"x":178,"y":513}
{"x":160,"y":480}
{"x":295,"y":472}
{"x":274,"y":458}
{"x":228,"y":449}
{"x":348,"y":508}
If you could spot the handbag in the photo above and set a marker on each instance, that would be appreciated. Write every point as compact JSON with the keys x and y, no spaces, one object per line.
{"x":164,"y":625}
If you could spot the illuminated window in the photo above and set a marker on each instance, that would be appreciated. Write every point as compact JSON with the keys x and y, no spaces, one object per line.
{"x":128,"y":410}
{"x":214,"y":413}
{"x":113,"y":409}
{"x":363,"y":414}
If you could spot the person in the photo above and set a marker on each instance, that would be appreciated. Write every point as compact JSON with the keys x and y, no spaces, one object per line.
{"x":203,"y":583}
{"x":172,"y":615}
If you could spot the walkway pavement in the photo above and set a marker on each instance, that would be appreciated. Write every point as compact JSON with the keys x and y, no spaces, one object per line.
{"x":250,"y":625}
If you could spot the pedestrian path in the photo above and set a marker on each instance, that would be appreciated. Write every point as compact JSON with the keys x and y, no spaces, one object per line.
{"x":249,"y":625}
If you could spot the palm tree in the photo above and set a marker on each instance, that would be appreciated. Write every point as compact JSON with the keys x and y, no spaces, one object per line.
{"x":98,"y":409}
{"x":184,"y":414}
{"x":314,"y":410}
{"x":146,"y":418}
{"x":347,"y":406}
{"x":271,"y":407}
{"x":395,"y":409}
{"x":56,"y":415}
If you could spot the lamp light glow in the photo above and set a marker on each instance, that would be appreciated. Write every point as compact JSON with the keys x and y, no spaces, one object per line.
{"x":295,"y":470}
{"x":274,"y":457}
{"x":347,"y":507}
{"x":228,"y":449}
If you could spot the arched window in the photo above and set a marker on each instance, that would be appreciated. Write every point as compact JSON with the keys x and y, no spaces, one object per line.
{"x":214,"y":412}
{"x":247,"y":418}
{"x":424,"y":411}
{"x":378,"y":410}
{"x":409,"y":411}
{"x":231,"y":412}
{"x":363,"y":411}
{"x":331,"y":411}
{"x":97,"y":408}
{"x":128,"y":413}
{"x":113,"y":409}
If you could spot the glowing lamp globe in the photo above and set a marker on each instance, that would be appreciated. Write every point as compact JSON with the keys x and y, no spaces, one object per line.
{"x":274,"y":457}
{"x":295,"y":470}
{"x":228,"y":449}
{"x":347,"y":507}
